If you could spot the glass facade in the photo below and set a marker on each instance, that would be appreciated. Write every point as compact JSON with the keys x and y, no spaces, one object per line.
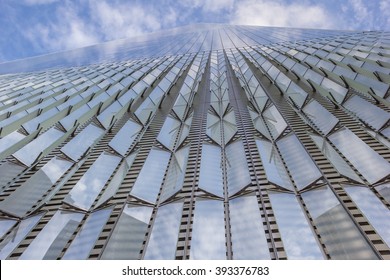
{"x":204,"y":142}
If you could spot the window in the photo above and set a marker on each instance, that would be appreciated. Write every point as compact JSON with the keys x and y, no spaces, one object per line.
{"x":76,"y":147}
{"x":302,"y":168}
{"x":163,"y":239}
{"x":20,"y":202}
{"x":83,"y":243}
{"x":92,"y":182}
{"x":12,"y":240}
{"x":297,"y":236}
{"x":371,"y":165}
{"x":208,"y":231}
{"x":338,"y":232}
{"x":50,"y":242}
{"x":128,"y":235}
{"x":29,"y":153}
{"x":248,"y":235}
{"x":147,"y":187}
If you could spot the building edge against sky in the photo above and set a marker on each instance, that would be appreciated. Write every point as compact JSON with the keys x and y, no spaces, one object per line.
{"x":206,"y":142}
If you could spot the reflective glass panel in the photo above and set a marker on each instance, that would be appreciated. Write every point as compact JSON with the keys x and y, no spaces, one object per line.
{"x":128,"y":235}
{"x":116,"y":181}
{"x":9,"y":171}
{"x":83,"y":243}
{"x":162,"y":241}
{"x":275,"y":121}
{"x":5,"y":226}
{"x":147,"y":187}
{"x":301,"y":166}
{"x":9,"y":140}
{"x":238,"y":176}
{"x":366,"y":111}
{"x":210,"y":178}
{"x":25,"y":197}
{"x":168,"y":133}
{"x":273,"y":165}
{"x":53,"y":237}
{"x":338,"y":232}
{"x":376,"y":212}
{"x":248,"y":235}
{"x":76,"y":147}
{"x":384,"y":191}
{"x":370,"y":164}
{"x":18,"y":234}
{"x":92,"y":182}
{"x":298,"y":238}
{"x":208,"y":231}
{"x":337,"y":161}
{"x":176,"y":172}
{"x":125,"y":137}
{"x":29,"y":153}
{"x":106,"y":116}
{"x":321,"y":117}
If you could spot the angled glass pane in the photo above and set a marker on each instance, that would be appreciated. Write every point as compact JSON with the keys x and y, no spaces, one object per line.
{"x":273,"y":165}
{"x":248,"y":236}
{"x":18,"y":234}
{"x":238,"y":176}
{"x":176,"y":172}
{"x":128,"y":235}
{"x":337,"y":91}
{"x":50,"y":242}
{"x":208,"y":231}
{"x":275,"y":121}
{"x":210,"y":178}
{"x":87,"y":236}
{"x":147,"y":187}
{"x":376,"y":212}
{"x":301,"y":166}
{"x":32,"y":125}
{"x":6,"y":225}
{"x":338,"y":232}
{"x":163,"y":239}
{"x":368,"y":112}
{"x":116,"y":180}
{"x":9,"y":171}
{"x":384,"y":191}
{"x":259,"y":124}
{"x":21,"y":201}
{"x":168,"y":133}
{"x":106,"y":116}
{"x":214,"y":128}
{"x":9,"y":140}
{"x":69,"y":121}
{"x":370,"y":164}
{"x":125,"y":137}
{"x":29,"y":153}
{"x":298,"y":238}
{"x":76,"y":147}
{"x":321,"y":117}
{"x":185,"y":130}
{"x":297,"y":94}
{"x":229,"y":126}
{"x":92,"y":182}
{"x":337,"y":161}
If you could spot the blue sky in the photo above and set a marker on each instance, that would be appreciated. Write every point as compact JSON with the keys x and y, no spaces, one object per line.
{"x":34,"y":27}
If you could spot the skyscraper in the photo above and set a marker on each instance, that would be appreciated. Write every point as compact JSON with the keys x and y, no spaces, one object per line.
{"x":202,"y":142}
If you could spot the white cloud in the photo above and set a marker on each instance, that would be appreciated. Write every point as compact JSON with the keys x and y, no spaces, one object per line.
{"x":361,"y":14}
{"x":123,"y":20}
{"x":278,"y":13}
{"x":209,"y":6}
{"x":384,"y":6}
{"x":38,"y":2}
